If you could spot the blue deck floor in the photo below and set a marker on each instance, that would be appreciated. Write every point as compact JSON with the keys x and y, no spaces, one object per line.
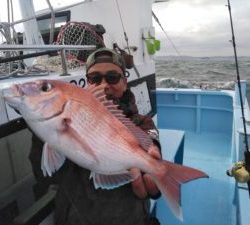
{"x":205,"y":201}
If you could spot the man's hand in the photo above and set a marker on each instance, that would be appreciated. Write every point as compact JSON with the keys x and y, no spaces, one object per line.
{"x":144,"y":185}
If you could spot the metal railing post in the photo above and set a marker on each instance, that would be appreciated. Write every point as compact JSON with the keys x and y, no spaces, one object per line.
{"x":64,"y":64}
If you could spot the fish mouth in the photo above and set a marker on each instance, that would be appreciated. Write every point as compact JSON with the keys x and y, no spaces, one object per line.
{"x":12,"y":95}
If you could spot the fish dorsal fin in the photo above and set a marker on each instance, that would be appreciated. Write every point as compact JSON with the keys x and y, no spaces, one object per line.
{"x":143,"y":138}
{"x":112,"y":181}
{"x":52,"y":160}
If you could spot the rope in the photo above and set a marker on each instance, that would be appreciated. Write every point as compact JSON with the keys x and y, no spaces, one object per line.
{"x":169,"y":39}
{"x":126,"y":37}
{"x":123,"y":28}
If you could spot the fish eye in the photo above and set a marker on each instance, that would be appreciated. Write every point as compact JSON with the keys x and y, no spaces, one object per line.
{"x":46,"y":87}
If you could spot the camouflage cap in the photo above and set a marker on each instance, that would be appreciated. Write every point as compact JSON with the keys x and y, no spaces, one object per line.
{"x":105,"y":55}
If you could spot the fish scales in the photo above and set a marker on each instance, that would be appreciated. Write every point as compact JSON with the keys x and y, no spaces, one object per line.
{"x":108,"y":136}
{"x":95,"y":118}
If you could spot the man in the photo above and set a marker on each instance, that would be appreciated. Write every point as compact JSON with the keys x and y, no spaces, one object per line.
{"x":77,"y":201}
{"x":107,"y":67}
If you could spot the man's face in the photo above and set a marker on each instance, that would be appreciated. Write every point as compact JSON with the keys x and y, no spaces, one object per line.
{"x":105,"y":69}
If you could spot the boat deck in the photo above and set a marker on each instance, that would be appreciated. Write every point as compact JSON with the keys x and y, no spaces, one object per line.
{"x":205,"y":201}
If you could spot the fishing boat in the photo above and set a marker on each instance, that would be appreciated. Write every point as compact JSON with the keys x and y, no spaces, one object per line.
{"x":203,"y":129}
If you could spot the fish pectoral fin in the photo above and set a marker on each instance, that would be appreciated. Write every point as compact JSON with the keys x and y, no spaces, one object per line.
{"x":111,"y":181}
{"x":52,"y":160}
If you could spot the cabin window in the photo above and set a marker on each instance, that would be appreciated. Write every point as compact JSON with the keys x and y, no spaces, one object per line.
{"x":61,"y":18}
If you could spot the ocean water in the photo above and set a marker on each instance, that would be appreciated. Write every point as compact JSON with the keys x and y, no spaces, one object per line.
{"x":201,"y":72}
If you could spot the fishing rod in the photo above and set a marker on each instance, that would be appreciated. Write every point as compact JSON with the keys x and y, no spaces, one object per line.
{"x":245,"y":164}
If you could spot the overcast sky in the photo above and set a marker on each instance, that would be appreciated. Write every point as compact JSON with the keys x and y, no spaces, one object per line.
{"x":202,"y":27}
{"x":199,"y":27}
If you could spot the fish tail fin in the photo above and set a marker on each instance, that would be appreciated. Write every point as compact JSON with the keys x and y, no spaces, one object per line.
{"x":169,"y":182}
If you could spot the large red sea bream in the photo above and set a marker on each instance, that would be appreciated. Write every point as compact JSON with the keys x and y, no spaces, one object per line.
{"x":82,"y":125}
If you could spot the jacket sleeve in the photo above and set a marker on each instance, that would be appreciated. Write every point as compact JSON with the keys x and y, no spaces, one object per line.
{"x":146,"y":123}
{"x":128,"y":105}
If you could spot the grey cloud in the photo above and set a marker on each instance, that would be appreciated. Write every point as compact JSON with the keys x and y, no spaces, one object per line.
{"x":213,"y":38}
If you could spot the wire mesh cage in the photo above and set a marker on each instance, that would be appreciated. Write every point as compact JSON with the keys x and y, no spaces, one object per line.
{"x":80,"y":33}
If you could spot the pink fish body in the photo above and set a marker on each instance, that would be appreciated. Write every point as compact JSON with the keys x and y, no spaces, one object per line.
{"x":85,"y":127}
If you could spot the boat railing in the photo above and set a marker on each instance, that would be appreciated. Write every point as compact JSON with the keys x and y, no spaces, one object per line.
{"x":40,"y":211}
{"x":43,"y":50}
{"x":46,"y":11}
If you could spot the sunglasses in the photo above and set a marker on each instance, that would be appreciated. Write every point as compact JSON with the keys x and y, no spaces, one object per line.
{"x":111,"y":77}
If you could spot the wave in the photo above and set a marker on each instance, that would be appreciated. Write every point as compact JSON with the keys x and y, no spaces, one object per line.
{"x":213,"y":72}
{"x":176,"y":83}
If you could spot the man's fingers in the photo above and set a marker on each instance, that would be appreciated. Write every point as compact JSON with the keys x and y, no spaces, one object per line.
{"x":154,"y":152}
{"x":138,"y":184}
